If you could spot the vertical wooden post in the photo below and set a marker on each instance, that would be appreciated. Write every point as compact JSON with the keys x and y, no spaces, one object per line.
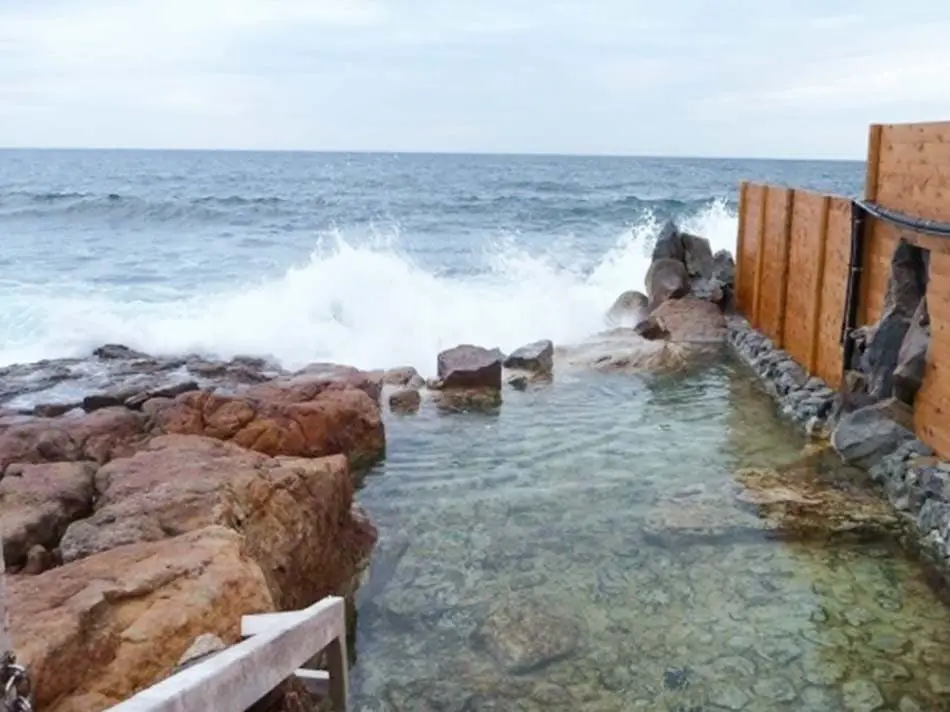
{"x":814,"y":329}
{"x":760,"y":259}
{"x":6,"y":645}
{"x":740,"y":245}
{"x":872,"y":177}
{"x":337,"y":667}
{"x":786,"y":254}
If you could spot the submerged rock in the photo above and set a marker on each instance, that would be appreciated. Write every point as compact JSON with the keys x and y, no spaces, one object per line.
{"x":468,"y":366}
{"x":525,"y":635}
{"x":536,"y":357}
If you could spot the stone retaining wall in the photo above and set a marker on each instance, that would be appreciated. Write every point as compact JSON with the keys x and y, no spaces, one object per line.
{"x":916,"y":483}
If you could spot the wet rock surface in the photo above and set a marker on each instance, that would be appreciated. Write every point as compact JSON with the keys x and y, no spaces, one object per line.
{"x":536,"y":358}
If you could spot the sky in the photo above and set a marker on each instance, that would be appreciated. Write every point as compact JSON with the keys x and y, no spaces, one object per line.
{"x":621,"y":77}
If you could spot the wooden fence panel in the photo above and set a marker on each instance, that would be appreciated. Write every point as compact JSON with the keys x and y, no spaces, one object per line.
{"x":805,"y":273}
{"x":750,"y":223}
{"x":774,"y":272}
{"x":829,"y":361}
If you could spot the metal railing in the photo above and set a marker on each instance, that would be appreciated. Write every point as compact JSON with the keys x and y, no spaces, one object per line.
{"x":276,"y":647}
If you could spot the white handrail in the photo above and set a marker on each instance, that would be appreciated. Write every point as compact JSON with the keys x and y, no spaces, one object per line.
{"x":237,"y":677}
{"x":6,"y":644}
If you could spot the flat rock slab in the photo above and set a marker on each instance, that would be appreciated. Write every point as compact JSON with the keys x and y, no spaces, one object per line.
{"x":525,"y":635}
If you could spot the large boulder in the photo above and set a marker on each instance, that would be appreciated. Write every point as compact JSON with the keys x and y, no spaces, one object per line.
{"x":629,"y":309}
{"x":697,"y":256}
{"x":468,"y":366}
{"x":295,"y":514}
{"x":866,"y":436}
{"x":912,"y":358}
{"x":38,"y":503}
{"x":99,"y":436}
{"x":94,"y":632}
{"x":536,"y":357}
{"x":272,"y":420}
{"x":666,"y":279}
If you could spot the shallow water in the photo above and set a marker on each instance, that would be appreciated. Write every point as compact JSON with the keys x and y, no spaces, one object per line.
{"x":559,"y":503}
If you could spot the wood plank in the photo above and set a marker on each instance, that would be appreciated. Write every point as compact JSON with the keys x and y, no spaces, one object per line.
{"x":239,"y":676}
{"x":760,"y":259}
{"x":782,"y":287}
{"x":924,"y":132}
{"x":741,"y":238}
{"x":817,"y":294}
{"x":873,"y":165}
{"x":837,"y":252}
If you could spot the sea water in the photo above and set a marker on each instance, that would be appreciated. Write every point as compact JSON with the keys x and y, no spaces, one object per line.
{"x":556,"y":514}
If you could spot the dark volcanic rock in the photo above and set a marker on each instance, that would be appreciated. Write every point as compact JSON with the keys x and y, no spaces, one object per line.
{"x":631,"y":307}
{"x":666,"y":279}
{"x":912,"y":359}
{"x":669,"y":245}
{"x":697,"y":256}
{"x":537,"y":357}
{"x":115,"y":352}
{"x":905,"y":291}
{"x":468,"y":366}
{"x":651,"y":329}
{"x":867,"y":436}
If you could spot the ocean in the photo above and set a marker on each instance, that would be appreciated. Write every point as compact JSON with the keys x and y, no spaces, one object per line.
{"x":375,"y":260}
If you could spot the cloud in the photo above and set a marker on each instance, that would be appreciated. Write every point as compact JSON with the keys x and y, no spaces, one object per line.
{"x":613,"y":76}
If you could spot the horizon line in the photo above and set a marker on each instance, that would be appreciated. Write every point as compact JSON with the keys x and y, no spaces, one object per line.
{"x":498,"y":154}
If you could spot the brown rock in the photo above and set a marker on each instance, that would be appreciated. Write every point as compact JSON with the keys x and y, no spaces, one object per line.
{"x":666,"y":279}
{"x":334,"y":420}
{"x":295,"y":513}
{"x":691,"y":321}
{"x":203,"y":647}
{"x":406,"y":400}
{"x":38,"y":502}
{"x":468,"y":366}
{"x":99,"y":436}
{"x":94,"y":632}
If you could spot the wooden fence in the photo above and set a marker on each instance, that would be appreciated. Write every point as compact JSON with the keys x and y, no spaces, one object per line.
{"x":794,"y":248}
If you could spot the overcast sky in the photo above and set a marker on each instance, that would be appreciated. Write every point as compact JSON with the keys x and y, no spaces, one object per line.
{"x":669,"y":77}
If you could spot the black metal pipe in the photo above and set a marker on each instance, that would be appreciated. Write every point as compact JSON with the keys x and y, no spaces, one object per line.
{"x":852,"y":296}
{"x":929,"y":227}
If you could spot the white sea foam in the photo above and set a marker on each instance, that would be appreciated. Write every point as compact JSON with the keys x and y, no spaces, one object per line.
{"x":368,"y":306}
